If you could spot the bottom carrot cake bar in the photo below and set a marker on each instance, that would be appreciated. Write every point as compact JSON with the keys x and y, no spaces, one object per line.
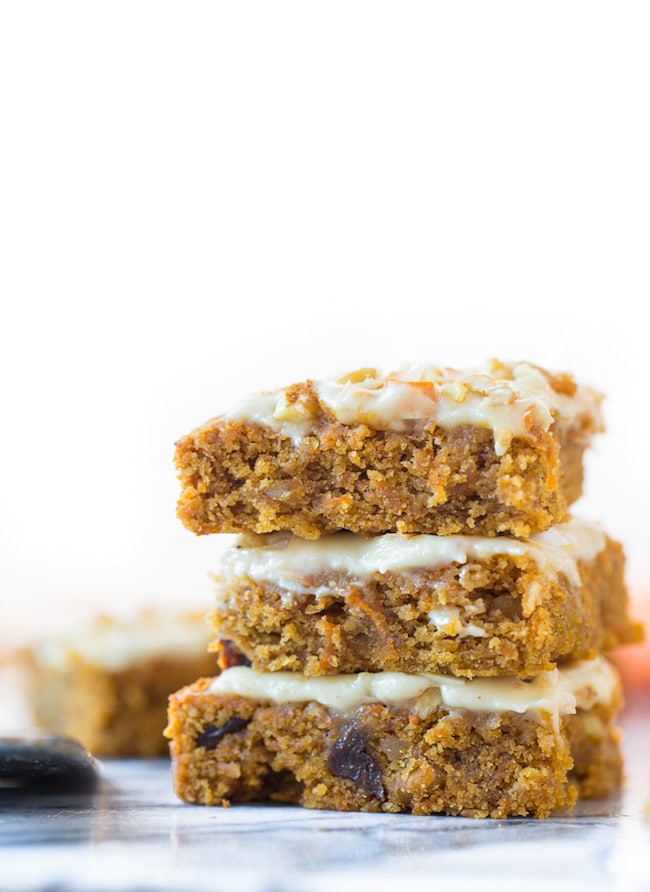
{"x":398,"y":742}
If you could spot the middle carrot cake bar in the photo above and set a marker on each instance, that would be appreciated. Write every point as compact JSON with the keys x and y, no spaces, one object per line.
{"x":459,"y":605}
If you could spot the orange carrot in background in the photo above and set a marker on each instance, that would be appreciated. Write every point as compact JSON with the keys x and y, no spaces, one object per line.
{"x":633,"y":660}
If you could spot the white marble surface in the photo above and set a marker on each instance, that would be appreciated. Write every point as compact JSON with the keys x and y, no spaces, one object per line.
{"x":133,"y":834}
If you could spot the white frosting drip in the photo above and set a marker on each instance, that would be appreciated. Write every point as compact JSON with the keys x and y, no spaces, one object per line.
{"x":114,"y":645}
{"x":270,"y":409}
{"x":510,"y":407}
{"x":288,"y":561}
{"x":591,"y":681}
{"x":558,"y":693}
{"x":450,"y":621}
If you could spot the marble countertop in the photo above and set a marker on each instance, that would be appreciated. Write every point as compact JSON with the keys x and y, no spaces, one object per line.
{"x":133,"y":834}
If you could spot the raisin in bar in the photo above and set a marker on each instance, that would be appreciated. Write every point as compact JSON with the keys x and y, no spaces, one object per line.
{"x":397,"y":742}
{"x":107,"y":683}
{"x":420,"y":450}
{"x":459,"y":605}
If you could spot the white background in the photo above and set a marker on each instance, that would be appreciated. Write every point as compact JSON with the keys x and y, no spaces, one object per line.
{"x":200,"y":199}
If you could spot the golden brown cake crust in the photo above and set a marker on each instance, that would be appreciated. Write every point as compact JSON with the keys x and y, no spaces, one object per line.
{"x":238,"y":476}
{"x":532,"y":619}
{"x":228,"y":748}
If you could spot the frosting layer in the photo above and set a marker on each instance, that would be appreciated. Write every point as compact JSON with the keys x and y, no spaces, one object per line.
{"x":288,"y":561}
{"x":560,"y":692}
{"x":513,"y":400}
{"x":115,"y":644}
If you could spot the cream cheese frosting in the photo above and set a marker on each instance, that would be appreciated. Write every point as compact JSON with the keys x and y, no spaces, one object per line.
{"x":560,"y":692}
{"x":513,"y":400}
{"x":453,"y":621}
{"x":114,"y":645}
{"x":289,"y":561}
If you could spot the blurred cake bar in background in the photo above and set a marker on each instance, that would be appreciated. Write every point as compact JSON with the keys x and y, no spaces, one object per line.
{"x":393,"y":742}
{"x":420,"y":450}
{"x":107,"y":684}
{"x":460,"y":605}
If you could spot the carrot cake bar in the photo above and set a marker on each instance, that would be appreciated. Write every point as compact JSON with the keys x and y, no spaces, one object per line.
{"x":460,"y":605}
{"x":107,"y":684}
{"x":420,"y":450}
{"x":398,"y":742}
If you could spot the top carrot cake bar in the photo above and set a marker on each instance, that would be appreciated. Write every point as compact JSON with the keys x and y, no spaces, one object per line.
{"x":419,"y":450}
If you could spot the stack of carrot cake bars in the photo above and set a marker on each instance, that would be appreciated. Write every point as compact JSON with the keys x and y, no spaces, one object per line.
{"x":410,"y":619}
